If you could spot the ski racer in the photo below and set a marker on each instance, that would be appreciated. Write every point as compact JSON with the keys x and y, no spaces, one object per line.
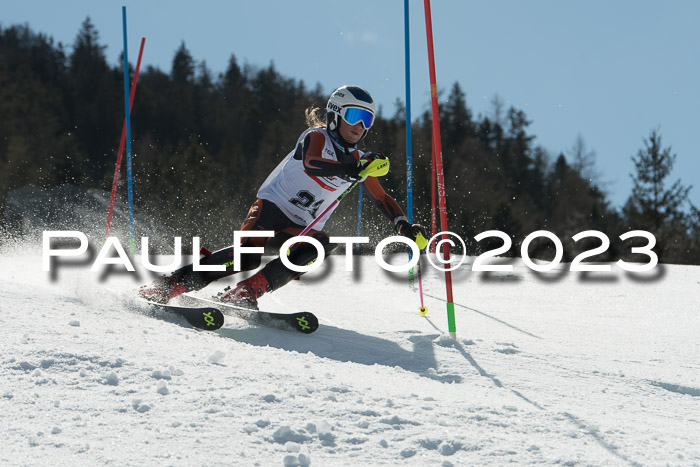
{"x":324,"y":162}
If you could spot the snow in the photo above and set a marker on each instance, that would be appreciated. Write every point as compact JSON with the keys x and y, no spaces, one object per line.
{"x":558,"y":367}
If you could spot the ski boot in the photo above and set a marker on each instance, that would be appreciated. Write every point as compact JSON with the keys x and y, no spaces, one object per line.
{"x":247,"y":292}
{"x":161,"y":290}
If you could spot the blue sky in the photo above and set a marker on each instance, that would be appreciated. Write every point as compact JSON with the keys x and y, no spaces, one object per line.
{"x":609,"y":71}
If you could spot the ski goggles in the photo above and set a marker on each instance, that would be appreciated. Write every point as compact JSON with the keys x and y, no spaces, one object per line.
{"x":355,"y":115}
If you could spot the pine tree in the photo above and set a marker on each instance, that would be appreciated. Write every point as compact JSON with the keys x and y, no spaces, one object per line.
{"x":458,"y":120}
{"x":183,"y":67}
{"x":663,"y":210}
{"x":96,"y":104}
{"x":653,"y":204}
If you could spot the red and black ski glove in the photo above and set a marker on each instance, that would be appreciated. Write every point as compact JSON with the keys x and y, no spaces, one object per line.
{"x":412,"y":231}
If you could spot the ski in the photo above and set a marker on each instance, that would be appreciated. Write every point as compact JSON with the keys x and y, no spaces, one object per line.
{"x":206,"y":318}
{"x":304,"y":322}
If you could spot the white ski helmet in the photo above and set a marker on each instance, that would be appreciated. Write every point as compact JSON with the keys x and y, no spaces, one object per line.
{"x":351,"y":103}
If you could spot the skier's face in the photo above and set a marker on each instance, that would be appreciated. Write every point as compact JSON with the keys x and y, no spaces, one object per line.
{"x":351,"y":133}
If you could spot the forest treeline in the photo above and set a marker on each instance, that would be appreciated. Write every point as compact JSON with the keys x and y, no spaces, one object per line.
{"x":204,"y":142}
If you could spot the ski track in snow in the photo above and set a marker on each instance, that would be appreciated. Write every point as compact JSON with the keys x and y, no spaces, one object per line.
{"x":546,"y":369}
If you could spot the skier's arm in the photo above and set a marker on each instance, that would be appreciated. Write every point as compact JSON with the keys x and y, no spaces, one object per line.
{"x":386,"y":204}
{"x":390,"y":208}
{"x":311,"y":151}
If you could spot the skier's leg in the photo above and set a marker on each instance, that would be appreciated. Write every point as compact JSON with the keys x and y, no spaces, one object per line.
{"x":302,"y":254}
{"x":275,"y":274}
{"x":186,"y":279}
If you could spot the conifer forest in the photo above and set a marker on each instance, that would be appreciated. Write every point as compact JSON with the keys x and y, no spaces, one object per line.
{"x":203,"y":142}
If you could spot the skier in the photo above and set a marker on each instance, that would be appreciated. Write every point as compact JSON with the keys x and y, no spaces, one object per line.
{"x":324,"y":162}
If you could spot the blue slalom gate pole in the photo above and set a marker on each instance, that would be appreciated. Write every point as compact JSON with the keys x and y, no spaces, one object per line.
{"x":359,"y":216}
{"x":128,"y":137}
{"x":409,"y":155}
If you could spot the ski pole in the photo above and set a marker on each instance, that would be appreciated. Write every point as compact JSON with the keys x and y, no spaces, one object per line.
{"x":329,"y":208}
{"x":376,"y":168}
{"x":423,"y":310}
{"x":422,"y":244}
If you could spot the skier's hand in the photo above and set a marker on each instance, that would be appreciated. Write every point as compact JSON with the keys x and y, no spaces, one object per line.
{"x":370,"y":156}
{"x":415,"y":232}
{"x":372,"y":164}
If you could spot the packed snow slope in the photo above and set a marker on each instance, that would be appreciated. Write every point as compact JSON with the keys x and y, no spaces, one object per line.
{"x":548,"y":368}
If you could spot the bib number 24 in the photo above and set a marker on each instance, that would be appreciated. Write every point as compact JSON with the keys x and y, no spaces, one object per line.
{"x":307,"y":201}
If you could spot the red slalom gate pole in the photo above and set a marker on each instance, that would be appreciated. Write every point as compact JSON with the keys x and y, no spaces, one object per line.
{"x":433,"y":217}
{"x":122,"y":141}
{"x":439,"y":170}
